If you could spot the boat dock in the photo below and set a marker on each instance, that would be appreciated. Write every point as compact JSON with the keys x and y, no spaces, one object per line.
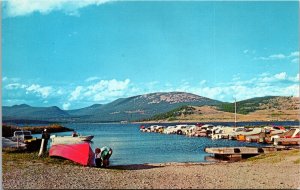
{"x":287,"y":141}
{"x":241,"y":152}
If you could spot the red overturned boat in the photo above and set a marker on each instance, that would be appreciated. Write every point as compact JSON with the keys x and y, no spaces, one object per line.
{"x":79,"y":153}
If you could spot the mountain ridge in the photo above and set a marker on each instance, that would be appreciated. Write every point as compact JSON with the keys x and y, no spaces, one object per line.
{"x":134,"y":108}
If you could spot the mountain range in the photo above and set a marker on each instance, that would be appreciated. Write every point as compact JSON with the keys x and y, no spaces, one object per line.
{"x":141,"y":107}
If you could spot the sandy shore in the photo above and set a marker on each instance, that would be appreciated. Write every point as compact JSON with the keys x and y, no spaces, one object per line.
{"x":280,"y":171}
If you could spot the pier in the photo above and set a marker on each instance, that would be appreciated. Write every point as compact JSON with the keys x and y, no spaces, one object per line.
{"x":241,"y":152}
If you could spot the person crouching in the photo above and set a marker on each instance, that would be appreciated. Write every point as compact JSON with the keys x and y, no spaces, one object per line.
{"x":102,"y":156}
{"x":98,"y":160}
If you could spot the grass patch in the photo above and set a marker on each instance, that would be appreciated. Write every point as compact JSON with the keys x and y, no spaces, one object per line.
{"x":261,"y":156}
{"x":21,"y":160}
{"x":293,"y":153}
{"x":275,"y":157}
{"x":297,"y":161}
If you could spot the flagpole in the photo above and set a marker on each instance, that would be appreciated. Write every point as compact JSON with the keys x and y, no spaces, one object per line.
{"x":235,"y":112}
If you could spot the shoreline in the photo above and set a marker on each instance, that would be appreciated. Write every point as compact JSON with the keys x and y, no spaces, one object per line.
{"x":175,"y":121}
{"x":280,"y":170}
{"x":188,"y":122}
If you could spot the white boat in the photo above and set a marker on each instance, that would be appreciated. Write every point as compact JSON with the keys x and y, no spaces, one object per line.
{"x":169,"y":130}
{"x":182,"y":129}
{"x":7,"y":143}
{"x":69,"y":139}
{"x":293,"y":133}
{"x":223,"y":132}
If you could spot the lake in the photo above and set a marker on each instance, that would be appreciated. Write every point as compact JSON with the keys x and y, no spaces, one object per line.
{"x":131,"y":146}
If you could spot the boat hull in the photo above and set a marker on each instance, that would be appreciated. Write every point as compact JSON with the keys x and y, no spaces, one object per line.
{"x":79,"y":153}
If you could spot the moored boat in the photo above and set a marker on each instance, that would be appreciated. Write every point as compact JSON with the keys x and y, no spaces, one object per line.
{"x":69,"y":139}
{"x":7,"y":143}
{"x":248,"y":132}
{"x":291,"y":137}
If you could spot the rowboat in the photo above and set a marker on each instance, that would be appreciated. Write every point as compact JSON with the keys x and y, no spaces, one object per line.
{"x":79,"y":153}
{"x":69,"y":139}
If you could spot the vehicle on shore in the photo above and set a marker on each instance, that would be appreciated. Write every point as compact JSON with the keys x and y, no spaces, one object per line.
{"x":20,"y":136}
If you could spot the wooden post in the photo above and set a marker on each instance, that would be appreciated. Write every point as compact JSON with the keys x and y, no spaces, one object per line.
{"x":17,"y":141}
{"x":42,"y":148}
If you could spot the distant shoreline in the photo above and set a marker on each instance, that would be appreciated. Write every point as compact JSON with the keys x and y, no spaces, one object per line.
{"x":218,"y":121}
{"x":168,"y":122}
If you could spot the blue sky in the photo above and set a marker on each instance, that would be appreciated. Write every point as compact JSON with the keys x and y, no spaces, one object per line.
{"x":74,"y":54}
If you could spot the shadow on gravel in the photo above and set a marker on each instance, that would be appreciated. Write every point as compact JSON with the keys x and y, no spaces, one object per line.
{"x":134,"y":167}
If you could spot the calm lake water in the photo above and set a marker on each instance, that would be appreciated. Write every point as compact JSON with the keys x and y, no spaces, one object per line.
{"x":130,"y":146}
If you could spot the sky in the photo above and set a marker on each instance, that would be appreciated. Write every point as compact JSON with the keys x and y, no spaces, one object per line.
{"x":73,"y":54}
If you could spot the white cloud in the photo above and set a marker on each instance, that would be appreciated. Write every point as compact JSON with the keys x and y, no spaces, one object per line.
{"x":114,"y":85}
{"x":236,"y":77}
{"x":184,"y":86}
{"x":107,"y":95}
{"x":295,"y":60}
{"x":107,"y":89}
{"x":263,"y":85}
{"x":292,"y":90}
{"x":277,"y":77}
{"x":91,"y":79}
{"x":273,"y":57}
{"x":24,"y":7}
{"x":66,"y":106}
{"x":76,"y":93}
{"x":203,"y":82}
{"x":7,"y":79}
{"x":152,"y":83}
{"x":277,"y":56}
{"x":294,"y":54}
{"x":41,"y":91}
{"x":104,"y":90}
{"x":280,"y":76}
{"x":60,"y":92}
{"x":110,"y":85}
{"x":13,"y":86}
{"x":264,"y":74}
{"x":247,"y":51}
{"x":294,"y":79}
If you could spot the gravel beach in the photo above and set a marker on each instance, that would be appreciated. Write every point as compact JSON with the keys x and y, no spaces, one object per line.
{"x":276,"y":171}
